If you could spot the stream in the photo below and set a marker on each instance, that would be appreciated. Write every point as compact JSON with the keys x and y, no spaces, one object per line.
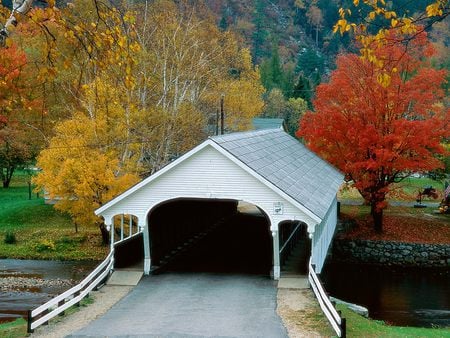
{"x":26,"y":284}
{"x":399,"y":296}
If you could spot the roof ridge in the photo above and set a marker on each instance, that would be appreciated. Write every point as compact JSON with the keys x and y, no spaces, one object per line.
{"x":240,"y":134}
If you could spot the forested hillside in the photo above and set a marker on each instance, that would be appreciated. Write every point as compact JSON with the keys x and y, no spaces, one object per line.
{"x":101,"y":93}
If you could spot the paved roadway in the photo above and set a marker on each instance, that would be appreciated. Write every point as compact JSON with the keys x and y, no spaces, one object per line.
{"x":187,"y":304}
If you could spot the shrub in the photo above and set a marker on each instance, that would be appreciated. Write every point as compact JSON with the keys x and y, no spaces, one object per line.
{"x":10,"y":238}
{"x":45,"y":245}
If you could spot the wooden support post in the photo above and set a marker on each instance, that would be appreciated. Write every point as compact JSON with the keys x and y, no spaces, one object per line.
{"x":29,"y":320}
{"x":43,"y":314}
{"x":112,"y":234}
{"x":147,"y":258}
{"x":344,"y":328}
{"x":121,"y":227}
{"x":60,"y":303}
{"x":130,"y":232}
{"x":276,"y":255}
{"x":76,"y":294}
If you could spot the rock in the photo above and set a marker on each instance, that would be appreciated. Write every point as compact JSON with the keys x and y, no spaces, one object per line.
{"x":361,"y":310}
{"x":24,"y":283}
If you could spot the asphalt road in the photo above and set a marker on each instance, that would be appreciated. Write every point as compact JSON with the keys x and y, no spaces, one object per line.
{"x":187,"y":304}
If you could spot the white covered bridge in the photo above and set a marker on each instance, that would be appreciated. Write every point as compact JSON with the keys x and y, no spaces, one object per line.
{"x":290,"y":186}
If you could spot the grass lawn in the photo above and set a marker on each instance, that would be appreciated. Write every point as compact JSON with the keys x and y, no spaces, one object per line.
{"x":40,"y":231}
{"x":15,"y":329}
{"x":359,"y":326}
{"x":405,"y":190}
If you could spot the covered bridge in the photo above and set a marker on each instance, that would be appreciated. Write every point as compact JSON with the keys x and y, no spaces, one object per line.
{"x":269,"y":169}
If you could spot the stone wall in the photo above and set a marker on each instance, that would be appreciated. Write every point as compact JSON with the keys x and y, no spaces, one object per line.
{"x":392,"y":253}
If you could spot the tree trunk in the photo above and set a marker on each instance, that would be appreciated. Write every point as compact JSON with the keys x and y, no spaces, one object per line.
{"x":6,"y":177}
{"x":104,"y":232}
{"x":377,"y":215}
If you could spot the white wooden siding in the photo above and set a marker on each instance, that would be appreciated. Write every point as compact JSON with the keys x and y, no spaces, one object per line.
{"x":206,"y":174}
{"x":323,"y":236}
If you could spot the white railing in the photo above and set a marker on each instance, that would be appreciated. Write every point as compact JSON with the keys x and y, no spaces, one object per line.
{"x":337,"y":322}
{"x":73,"y":296}
{"x":323,"y":236}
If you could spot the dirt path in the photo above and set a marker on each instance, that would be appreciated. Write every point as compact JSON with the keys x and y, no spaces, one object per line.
{"x":301,"y":314}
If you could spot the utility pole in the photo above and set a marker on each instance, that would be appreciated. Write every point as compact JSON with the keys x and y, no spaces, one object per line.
{"x":217,"y":121}
{"x":222,"y":115}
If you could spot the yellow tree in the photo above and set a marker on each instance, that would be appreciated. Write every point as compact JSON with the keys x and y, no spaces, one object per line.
{"x":81,"y":169}
{"x":141,"y":86}
{"x":242,"y":93}
{"x":377,"y":20}
{"x":185,"y":65}
{"x":92,"y":156}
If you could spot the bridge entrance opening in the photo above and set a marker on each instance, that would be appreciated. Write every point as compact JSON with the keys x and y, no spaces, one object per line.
{"x":295,"y":247}
{"x":210,"y":235}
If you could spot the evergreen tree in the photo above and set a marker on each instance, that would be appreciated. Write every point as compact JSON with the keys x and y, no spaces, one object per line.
{"x":260,"y":33}
{"x":310,"y":61}
{"x":275,"y":68}
{"x":303,"y":90}
{"x":288,"y":81}
{"x":272,"y":74}
{"x":224,"y":23}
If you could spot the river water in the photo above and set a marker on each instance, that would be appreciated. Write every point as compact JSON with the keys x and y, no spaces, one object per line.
{"x":399,"y":296}
{"x":26,"y":284}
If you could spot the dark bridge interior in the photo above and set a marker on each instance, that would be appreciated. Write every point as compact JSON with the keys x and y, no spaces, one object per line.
{"x":207,"y":235}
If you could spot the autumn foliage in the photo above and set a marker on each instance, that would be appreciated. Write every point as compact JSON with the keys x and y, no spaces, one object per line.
{"x":17,"y":106}
{"x":130,"y":91}
{"x":378,"y":134}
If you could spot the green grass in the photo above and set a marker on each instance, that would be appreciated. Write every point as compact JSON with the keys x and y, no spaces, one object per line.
{"x":359,"y":326}
{"x":18,"y":328}
{"x":405,"y":190}
{"x":15,"y":329}
{"x":41,"y":232}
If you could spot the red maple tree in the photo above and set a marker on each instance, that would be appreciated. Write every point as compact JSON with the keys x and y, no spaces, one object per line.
{"x":16,"y":104}
{"x":378,"y":134}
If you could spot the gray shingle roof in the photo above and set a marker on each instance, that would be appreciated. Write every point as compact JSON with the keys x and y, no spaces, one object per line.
{"x":267,"y":123}
{"x":288,"y":164}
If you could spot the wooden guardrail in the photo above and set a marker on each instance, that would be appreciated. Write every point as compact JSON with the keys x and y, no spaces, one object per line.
{"x":334,"y":317}
{"x":73,"y":296}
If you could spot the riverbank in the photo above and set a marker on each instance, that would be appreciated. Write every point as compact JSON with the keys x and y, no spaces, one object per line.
{"x":401,"y":275}
{"x":359,"y":326}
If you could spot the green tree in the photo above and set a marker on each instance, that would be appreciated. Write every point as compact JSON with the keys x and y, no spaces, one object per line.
{"x":272,"y":72}
{"x":260,"y":33}
{"x":302,"y":89}
{"x":310,"y":61}
{"x":290,"y":110}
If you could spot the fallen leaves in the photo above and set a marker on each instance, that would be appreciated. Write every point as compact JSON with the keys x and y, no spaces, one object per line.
{"x":403,"y":227}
